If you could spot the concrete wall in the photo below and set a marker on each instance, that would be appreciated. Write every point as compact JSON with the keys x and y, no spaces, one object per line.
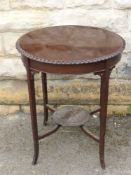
{"x":20,"y":16}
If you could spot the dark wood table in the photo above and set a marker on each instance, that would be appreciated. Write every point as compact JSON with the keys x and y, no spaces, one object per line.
{"x":70,"y":50}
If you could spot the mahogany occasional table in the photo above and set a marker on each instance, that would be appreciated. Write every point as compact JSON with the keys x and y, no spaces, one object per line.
{"x":70,"y":50}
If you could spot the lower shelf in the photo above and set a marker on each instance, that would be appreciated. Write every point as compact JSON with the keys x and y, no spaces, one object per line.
{"x":71,"y":116}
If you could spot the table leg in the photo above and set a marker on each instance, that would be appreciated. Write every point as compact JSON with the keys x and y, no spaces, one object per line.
{"x":32,"y":101}
{"x":45,"y":97}
{"x":103,"y":113}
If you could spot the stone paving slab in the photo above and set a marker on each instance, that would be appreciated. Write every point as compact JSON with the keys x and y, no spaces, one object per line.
{"x":67,"y":152}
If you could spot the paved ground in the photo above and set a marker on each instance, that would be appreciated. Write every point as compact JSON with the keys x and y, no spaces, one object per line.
{"x":67,"y":152}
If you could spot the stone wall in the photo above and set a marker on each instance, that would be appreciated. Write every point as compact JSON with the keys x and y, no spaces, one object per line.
{"x":18,"y":17}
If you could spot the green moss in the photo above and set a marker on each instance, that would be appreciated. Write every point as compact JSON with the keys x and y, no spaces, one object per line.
{"x":129,"y":109}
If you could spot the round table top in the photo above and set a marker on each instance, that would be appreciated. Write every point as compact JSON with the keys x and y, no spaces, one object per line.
{"x":70,"y":45}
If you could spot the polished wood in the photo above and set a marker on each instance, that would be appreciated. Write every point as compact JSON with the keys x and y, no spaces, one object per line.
{"x":32,"y":100}
{"x":95,"y":111}
{"x":50,"y":108}
{"x":70,"y":45}
{"x":90,"y":134}
{"x":70,"y":50}
{"x":45,"y":96}
{"x":49,"y":132}
{"x":103,"y":112}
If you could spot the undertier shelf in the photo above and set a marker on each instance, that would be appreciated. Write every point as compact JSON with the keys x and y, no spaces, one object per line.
{"x":71,"y":116}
